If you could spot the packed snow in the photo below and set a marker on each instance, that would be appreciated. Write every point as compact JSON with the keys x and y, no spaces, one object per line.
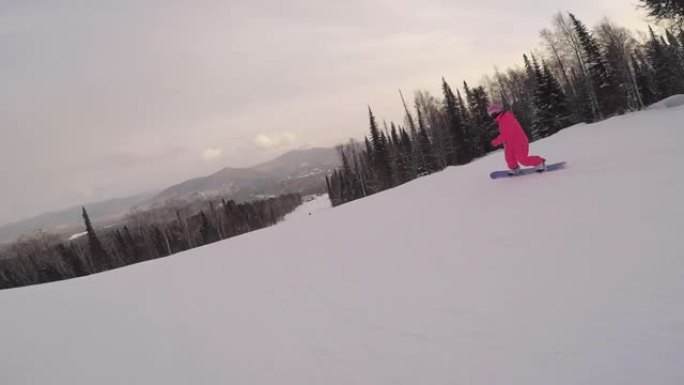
{"x":670,"y":102}
{"x":312,"y":205}
{"x":569,"y":277}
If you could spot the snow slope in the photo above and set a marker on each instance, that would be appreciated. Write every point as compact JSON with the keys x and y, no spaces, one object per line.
{"x":311,"y":207}
{"x":571,"y":277}
{"x":670,"y":102}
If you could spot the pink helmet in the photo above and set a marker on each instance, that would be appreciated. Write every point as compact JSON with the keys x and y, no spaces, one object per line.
{"x":494,"y":109}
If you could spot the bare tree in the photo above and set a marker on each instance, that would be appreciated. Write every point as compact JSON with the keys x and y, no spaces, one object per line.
{"x":553,"y":42}
{"x":569,"y":42}
{"x":618,"y":44}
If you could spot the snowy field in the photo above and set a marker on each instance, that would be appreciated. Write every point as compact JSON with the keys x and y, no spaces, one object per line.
{"x":565,"y":278}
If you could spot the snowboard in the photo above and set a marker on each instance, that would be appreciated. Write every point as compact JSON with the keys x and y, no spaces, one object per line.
{"x":527,"y":171}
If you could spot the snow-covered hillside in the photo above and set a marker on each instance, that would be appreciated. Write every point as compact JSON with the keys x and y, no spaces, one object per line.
{"x":570,"y":277}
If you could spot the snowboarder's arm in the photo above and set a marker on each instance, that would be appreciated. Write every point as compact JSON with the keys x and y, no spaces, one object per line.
{"x":498,"y":140}
{"x":504,"y":133}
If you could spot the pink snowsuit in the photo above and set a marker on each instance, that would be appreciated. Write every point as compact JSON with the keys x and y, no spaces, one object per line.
{"x":516,"y":145}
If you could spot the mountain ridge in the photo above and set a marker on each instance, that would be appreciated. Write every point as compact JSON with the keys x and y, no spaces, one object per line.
{"x":273,"y":177}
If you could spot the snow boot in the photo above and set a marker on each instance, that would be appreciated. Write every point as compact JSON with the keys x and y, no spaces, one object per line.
{"x":514,"y":171}
{"x":541,"y":167}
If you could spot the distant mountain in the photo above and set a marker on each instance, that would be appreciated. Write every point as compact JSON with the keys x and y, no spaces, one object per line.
{"x":68,"y":221}
{"x":300,"y":171}
{"x":300,"y":162}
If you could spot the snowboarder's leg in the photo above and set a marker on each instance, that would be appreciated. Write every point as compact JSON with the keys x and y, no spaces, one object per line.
{"x":510,"y":154}
{"x":523,"y":157}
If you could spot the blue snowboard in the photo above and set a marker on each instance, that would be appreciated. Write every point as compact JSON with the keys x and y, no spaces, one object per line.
{"x":527,"y":171}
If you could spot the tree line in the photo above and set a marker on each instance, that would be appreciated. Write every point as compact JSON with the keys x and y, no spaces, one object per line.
{"x":146,"y":235}
{"x":580,"y":75}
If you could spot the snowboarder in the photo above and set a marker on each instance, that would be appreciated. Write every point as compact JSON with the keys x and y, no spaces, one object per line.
{"x":516,"y":144}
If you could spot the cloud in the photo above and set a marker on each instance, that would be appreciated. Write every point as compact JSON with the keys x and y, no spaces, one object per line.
{"x":275,"y":140}
{"x":133,"y":158}
{"x":212,"y":153}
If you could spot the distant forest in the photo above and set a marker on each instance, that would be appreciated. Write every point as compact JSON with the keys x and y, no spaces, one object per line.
{"x":581,"y":75}
{"x":147,"y":235}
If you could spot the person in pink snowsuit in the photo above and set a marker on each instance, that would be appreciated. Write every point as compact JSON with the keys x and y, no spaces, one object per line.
{"x":516,"y":144}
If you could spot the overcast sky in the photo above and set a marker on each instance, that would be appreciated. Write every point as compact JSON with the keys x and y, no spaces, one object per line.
{"x":101,"y":99}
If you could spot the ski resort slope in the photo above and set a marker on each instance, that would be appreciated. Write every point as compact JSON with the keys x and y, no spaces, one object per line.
{"x":312,"y":206}
{"x":565,"y":278}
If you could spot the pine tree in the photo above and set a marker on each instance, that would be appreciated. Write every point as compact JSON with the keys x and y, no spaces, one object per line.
{"x":331,"y":192}
{"x":398,"y":159}
{"x":676,"y":54}
{"x":456,"y":127}
{"x":122,"y":248}
{"x":205,"y":228}
{"x":667,"y":80}
{"x":349,"y":181}
{"x":532,"y":85}
{"x":538,"y":130}
{"x":615,"y":44}
{"x":473,"y":129}
{"x":361,"y":172}
{"x":665,"y":9}
{"x":230,"y":218}
{"x":676,"y":47}
{"x":552,"y":112}
{"x":472,"y":142}
{"x":347,"y":187}
{"x":482,"y":122}
{"x":407,"y":154}
{"x":48,"y":272}
{"x":379,"y":155}
{"x":531,"y":74}
{"x":100,"y":259}
{"x":384,"y":145}
{"x":158,"y":242}
{"x":426,"y":153}
{"x":588,"y":87}
{"x":608,"y":96}
{"x":137,"y":254}
{"x":370,"y":171}
{"x":72,"y":260}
